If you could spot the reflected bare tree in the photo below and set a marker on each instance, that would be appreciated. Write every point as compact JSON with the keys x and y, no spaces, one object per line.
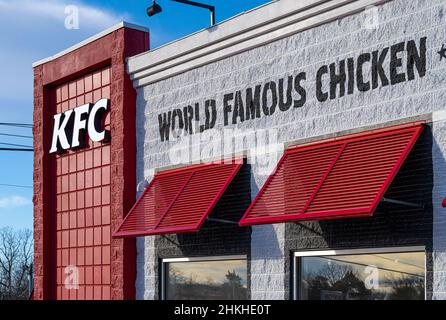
{"x":341,"y":281}
{"x":233,"y":286}
{"x":407,"y":288}
{"x":337,"y":281}
{"x":182,"y":287}
{"x":334,"y":272}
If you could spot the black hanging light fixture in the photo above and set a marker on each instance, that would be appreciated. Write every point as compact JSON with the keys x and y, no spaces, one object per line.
{"x":156,"y":8}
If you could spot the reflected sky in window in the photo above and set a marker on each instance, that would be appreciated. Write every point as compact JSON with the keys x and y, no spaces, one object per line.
{"x":205,"y":271}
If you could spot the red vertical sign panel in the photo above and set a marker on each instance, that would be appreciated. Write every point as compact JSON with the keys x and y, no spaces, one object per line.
{"x":83,"y":200}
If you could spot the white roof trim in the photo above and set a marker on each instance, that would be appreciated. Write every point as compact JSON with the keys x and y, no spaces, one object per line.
{"x":251,"y":29}
{"x":120,"y":25}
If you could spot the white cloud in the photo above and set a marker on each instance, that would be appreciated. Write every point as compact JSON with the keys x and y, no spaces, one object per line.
{"x":55,"y":10}
{"x":13,"y":201}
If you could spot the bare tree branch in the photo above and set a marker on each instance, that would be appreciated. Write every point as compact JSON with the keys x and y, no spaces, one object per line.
{"x":15,"y":261}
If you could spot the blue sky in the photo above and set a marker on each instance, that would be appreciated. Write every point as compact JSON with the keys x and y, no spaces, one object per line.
{"x":31,"y":30}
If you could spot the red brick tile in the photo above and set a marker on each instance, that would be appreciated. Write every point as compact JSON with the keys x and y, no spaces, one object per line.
{"x":106,"y":235}
{"x":80,"y":199}
{"x":65,"y":187}
{"x":105,"y":215}
{"x":97,"y":177}
{"x":105,"y":92}
{"x":73,"y":181}
{"x":106,"y":76}
{"x":97,"y":82}
{"x":97,"y":236}
{"x":73,"y":201}
{"x":73,"y":238}
{"x":72,"y":103}
{"x":65,"y":220}
{"x":105,"y":175}
{"x":73,"y":219}
{"x":80,"y":161}
{"x":106,"y":293}
{"x":97,"y":196}
{"x":58,"y":185}
{"x":89,"y":217}
{"x":81,"y":237}
{"x":89,"y":292}
{"x":106,"y":274}
{"x":64,"y":92}
{"x":88,"y":257}
{"x":97,"y":95}
{"x":97,"y":213}
{"x":81,"y":218}
{"x":97,"y":157}
{"x":106,"y":195}
{"x":97,"y":255}
{"x":88,"y":198}
{"x":88,"y":159}
{"x":73,"y":256}
{"x":97,"y":275}
{"x":72,"y":90}
{"x":88,"y":178}
{"x":89,"y":97}
{"x":72,"y":162}
{"x":80,"y":180}
{"x":58,"y":95}
{"x":89,"y":236}
{"x":65,"y":202}
{"x":80,"y":86}
{"x":81,"y":256}
{"x":88,"y":275}
{"x":88,"y":81}
{"x":65,"y":239}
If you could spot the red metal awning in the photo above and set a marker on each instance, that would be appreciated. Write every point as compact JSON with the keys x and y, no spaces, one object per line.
{"x":337,"y":178}
{"x":178,"y":200}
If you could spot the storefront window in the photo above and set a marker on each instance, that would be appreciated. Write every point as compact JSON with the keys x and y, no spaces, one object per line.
{"x":206,"y":280}
{"x":368,"y":276}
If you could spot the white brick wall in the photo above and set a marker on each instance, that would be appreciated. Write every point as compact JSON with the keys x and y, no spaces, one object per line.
{"x":400,"y":20}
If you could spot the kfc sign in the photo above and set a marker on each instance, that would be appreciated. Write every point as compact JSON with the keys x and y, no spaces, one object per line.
{"x":71,"y":127}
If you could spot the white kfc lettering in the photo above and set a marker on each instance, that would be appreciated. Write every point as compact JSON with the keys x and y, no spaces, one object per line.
{"x":60,"y":140}
{"x":71,"y":127}
{"x":95,"y":121}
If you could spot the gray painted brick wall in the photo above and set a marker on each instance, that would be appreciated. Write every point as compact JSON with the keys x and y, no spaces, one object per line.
{"x":438,"y":194}
{"x":400,"y":20}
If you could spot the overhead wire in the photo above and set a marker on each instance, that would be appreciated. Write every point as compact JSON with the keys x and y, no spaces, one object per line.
{"x":15,"y":135}
{"x":15,"y":124}
{"x":15,"y":186}
{"x":15,"y":145}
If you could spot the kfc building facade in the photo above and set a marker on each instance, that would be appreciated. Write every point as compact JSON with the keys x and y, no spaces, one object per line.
{"x":295,"y":151}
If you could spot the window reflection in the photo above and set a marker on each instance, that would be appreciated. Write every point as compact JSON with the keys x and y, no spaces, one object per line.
{"x":206,"y":280}
{"x":387,"y":276}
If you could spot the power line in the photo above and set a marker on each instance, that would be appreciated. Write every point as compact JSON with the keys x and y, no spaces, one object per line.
{"x":15,"y":145}
{"x":15,"y":186}
{"x":15,"y":135}
{"x":14,"y":124}
{"x":16,"y":149}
